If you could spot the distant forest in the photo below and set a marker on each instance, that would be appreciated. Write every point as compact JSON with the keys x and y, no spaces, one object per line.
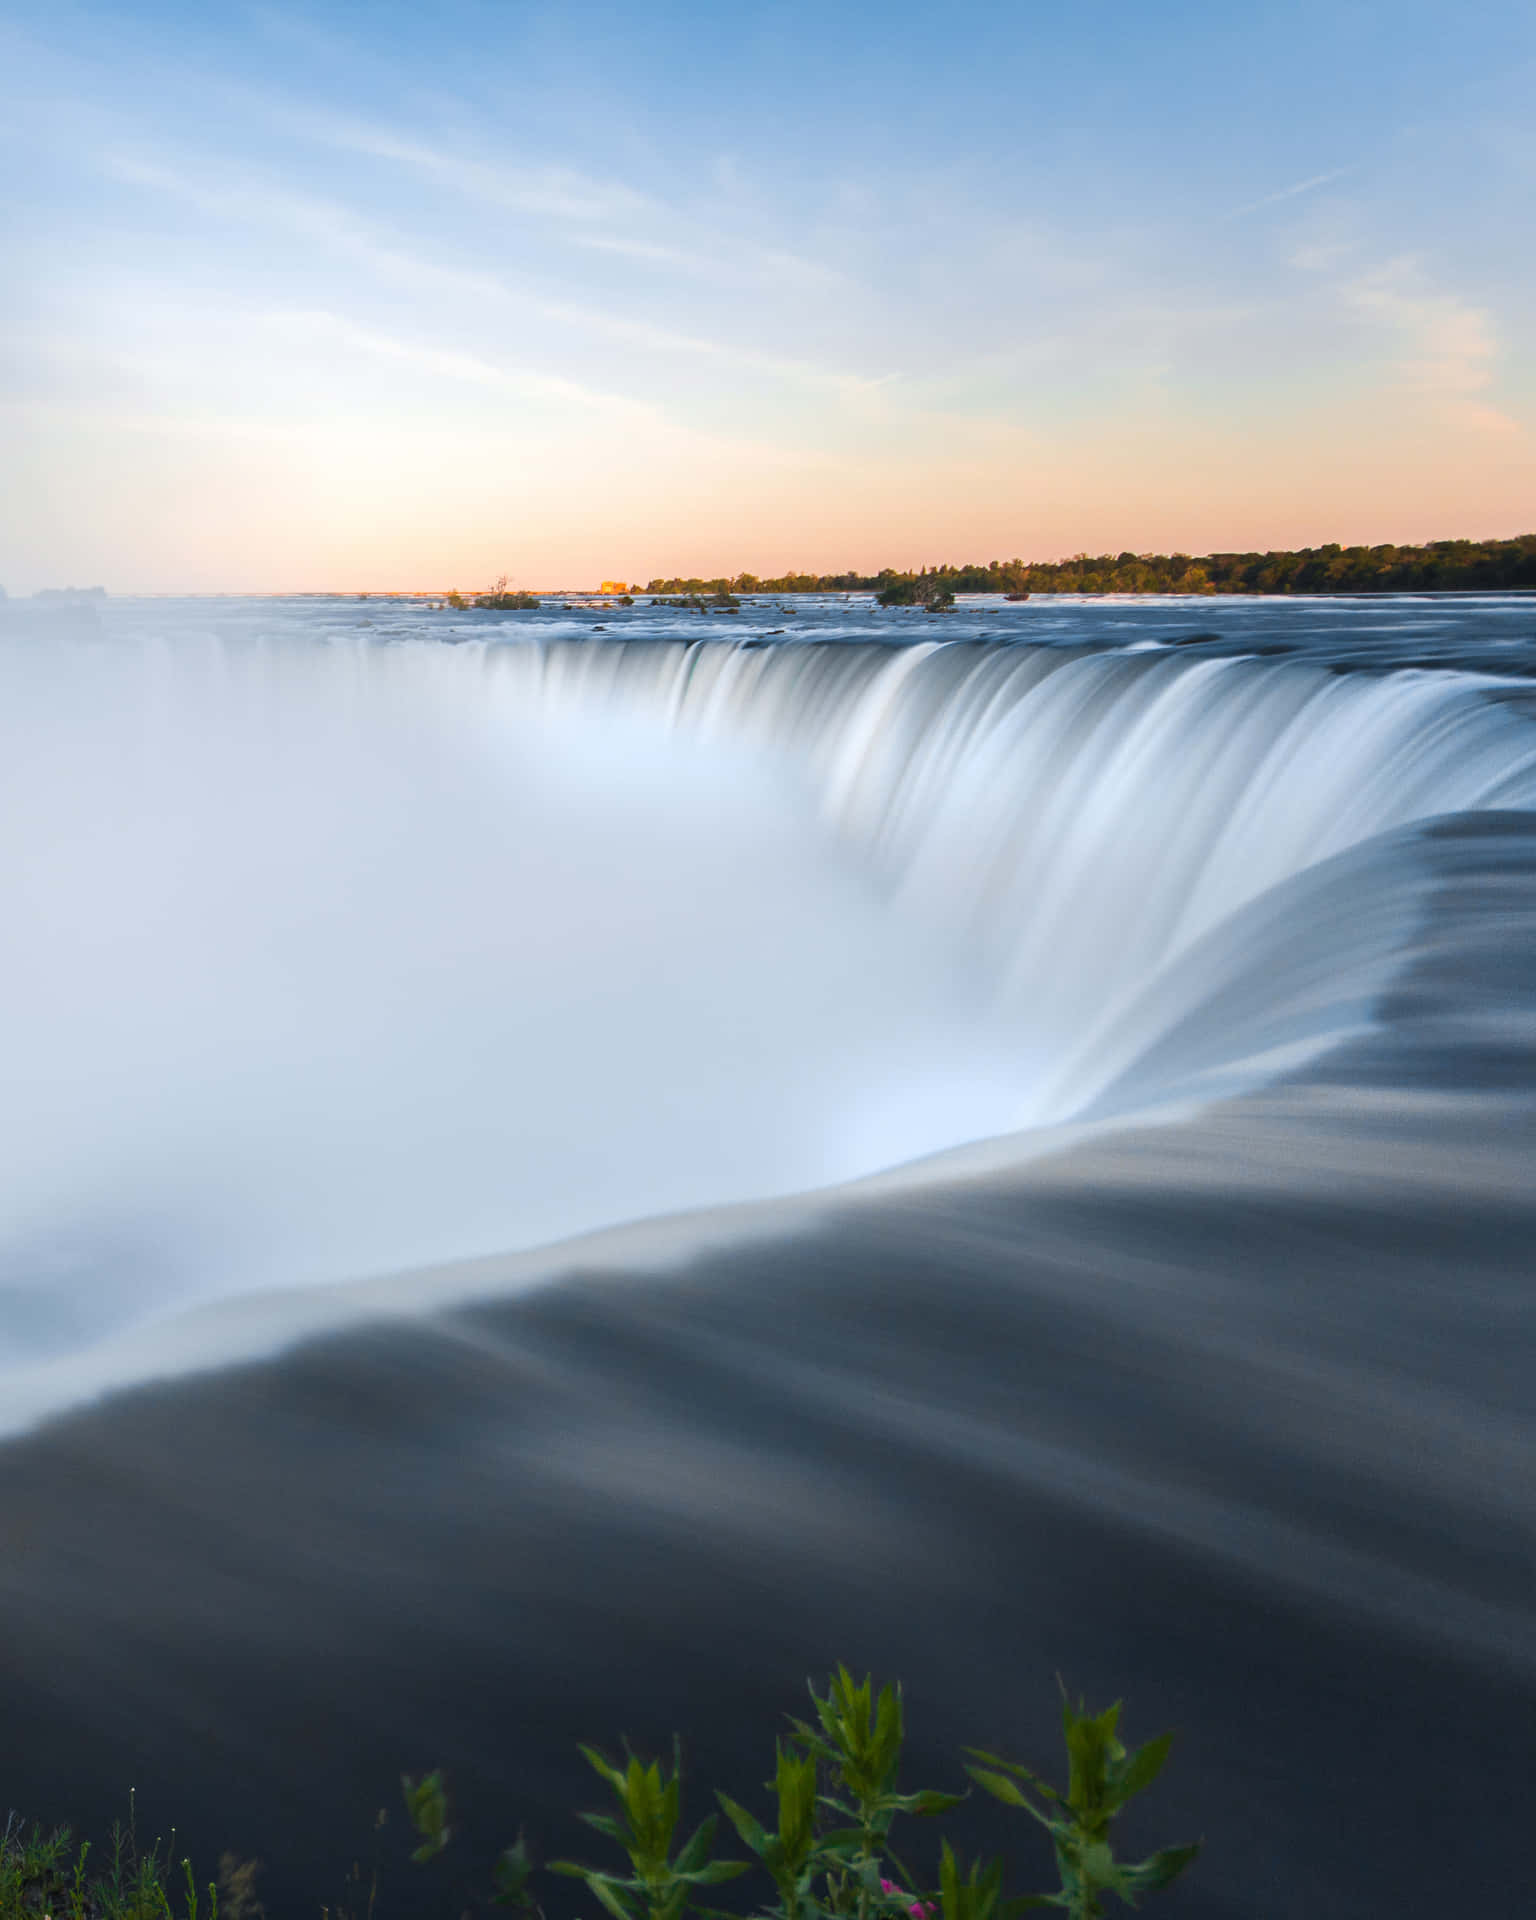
{"x":1444,"y":565}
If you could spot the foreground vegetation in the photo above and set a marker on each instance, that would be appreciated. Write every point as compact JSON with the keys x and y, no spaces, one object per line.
{"x":825,"y":1851}
{"x":1444,"y":565}
{"x":49,"y":1872}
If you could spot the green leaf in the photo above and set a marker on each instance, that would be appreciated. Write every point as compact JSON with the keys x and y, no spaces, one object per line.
{"x":949,"y":1877}
{"x":716,"y":1871}
{"x":794,"y":1785}
{"x":1092,"y":1751}
{"x":1002,"y":1788}
{"x":606,"y":1825}
{"x":1159,"y":1869}
{"x":746,"y":1824}
{"x":809,"y":1737}
{"x":1019,"y":1771}
{"x":1143,"y":1767}
{"x":826,"y":1714}
{"x":999,"y":1786}
{"x":696,"y":1849}
{"x":1096,"y":1862}
{"x":1071,"y":1716}
{"x":574,"y":1870}
{"x":612,"y":1899}
{"x":842,"y":1837}
{"x":426,"y":1805}
{"x":972,"y":1895}
{"x":929,"y":1801}
{"x":669,"y":1804}
{"x":889,"y":1732}
{"x":599,"y":1763}
{"x":511,"y":1873}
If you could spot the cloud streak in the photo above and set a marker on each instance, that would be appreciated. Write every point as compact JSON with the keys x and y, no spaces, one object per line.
{"x":454,"y":365}
{"x":547,"y":192}
{"x":653,"y":230}
{"x":1309,"y":185}
{"x":325,"y":221}
{"x":1447,"y":347}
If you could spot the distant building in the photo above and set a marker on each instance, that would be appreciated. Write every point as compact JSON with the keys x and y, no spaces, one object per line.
{"x":613,"y":586}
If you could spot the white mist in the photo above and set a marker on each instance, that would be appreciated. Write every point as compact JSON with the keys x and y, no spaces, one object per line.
{"x":320,"y":963}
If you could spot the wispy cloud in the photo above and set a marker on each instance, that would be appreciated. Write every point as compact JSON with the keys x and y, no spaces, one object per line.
{"x":551,"y":192}
{"x":714,"y":259}
{"x":312,"y":218}
{"x":1447,"y":347}
{"x":452,"y":364}
{"x":1293,"y":192}
{"x":652,"y":229}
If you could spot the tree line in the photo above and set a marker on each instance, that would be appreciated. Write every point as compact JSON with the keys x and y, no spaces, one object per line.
{"x":1441,"y":566}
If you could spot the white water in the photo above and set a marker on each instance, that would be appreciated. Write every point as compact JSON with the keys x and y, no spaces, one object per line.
{"x":324,"y":961}
{"x":1077,"y":825}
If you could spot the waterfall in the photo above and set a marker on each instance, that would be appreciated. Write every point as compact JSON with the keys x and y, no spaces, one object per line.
{"x":329,"y":958}
{"x":1079,"y":823}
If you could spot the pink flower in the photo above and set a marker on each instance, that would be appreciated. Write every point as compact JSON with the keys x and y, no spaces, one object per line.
{"x":918,"y":1909}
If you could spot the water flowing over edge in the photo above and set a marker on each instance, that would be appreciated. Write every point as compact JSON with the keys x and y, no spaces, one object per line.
{"x":1167,"y":880}
{"x":1082,"y":822}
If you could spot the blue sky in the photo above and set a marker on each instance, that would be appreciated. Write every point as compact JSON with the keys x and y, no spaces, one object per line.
{"x":394,"y":296}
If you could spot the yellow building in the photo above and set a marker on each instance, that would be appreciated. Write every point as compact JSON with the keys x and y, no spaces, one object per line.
{"x":613,"y":586}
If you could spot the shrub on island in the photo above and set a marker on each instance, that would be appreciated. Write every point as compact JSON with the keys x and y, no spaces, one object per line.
{"x":927,"y":591}
{"x":720,"y":602}
{"x":501,"y":598}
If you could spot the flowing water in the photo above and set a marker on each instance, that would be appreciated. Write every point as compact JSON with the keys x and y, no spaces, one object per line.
{"x":600,"y":1170}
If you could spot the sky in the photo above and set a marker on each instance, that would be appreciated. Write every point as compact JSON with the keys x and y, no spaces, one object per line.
{"x":390,"y":297}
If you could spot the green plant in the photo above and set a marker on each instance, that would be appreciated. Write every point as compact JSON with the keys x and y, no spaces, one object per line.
{"x":46,"y":1872}
{"x":649,"y":1804}
{"x":501,"y":598}
{"x":426,"y":1803}
{"x":926,"y":590}
{"x":974,"y":1895}
{"x":827,"y":1847}
{"x":789,"y":1851}
{"x":857,"y":1740}
{"x":1101,"y":1777}
{"x":828,"y":1851}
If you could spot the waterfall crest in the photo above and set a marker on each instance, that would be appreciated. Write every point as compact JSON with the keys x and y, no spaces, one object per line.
{"x":1082,"y":823}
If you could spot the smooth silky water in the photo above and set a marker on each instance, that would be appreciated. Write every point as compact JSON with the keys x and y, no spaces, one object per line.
{"x":562,"y":1179}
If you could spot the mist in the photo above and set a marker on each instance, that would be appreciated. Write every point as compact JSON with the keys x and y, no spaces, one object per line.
{"x":321,"y":963}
